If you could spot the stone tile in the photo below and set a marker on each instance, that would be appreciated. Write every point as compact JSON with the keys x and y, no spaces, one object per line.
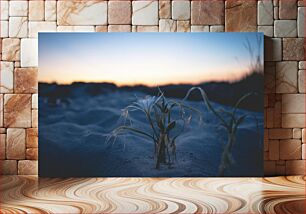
{"x":277,"y":118}
{"x":134,"y":28}
{"x":6,"y":77}
{"x":17,"y":64}
{"x":290,"y":149}
{"x":101,"y":28}
{"x":81,"y":12}
{"x":18,"y":27}
{"x":4,"y":29}
{"x":147,"y":28}
{"x":167,"y":25}
{"x":29,"y":53}
{"x":239,"y":15}
{"x":293,"y":49}
{"x":287,"y":9}
{"x":32,"y":154}
{"x":293,"y":103}
{"x":267,"y":30}
{"x":295,"y":167}
{"x":286,"y":77}
{"x":269,"y":168}
{"x":301,"y":3}
{"x":274,"y":150}
{"x":25,"y":80}
{"x":301,"y":21}
{"x":280,"y":133}
{"x":1,"y":110}
{"x":75,"y":29}
{"x":32,"y":138}
{"x":269,"y":81}
{"x":36,"y":10}
{"x":265,"y":12}
{"x":266,"y":140}
{"x":17,"y":110}
{"x":8,"y":167}
{"x":119,"y":28}
{"x":270,"y":118}
{"x":280,"y":170}
{"x":275,"y":3}
{"x":207,"y":12}
{"x":2,"y":146}
{"x":28,"y":167}
{"x":119,"y":12}
{"x":293,"y":120}
{"x":183,"y":26}
{"x":285,"y":28}
{"x":303,"y":151}
{"x":297,"y":133}
{"x":200,"y":28}
{"x":18,"y":8}
{"x":2,"y":130}
{"x":15,"y":144}
{"x":216,"y":28}
{"x":34,"y":101}
{"x":301,"y":81}
{"x":302,"y":65}
{"x":164,"y":9}
{"x":4,"y":9}
{"x":11,"y":49}
{"x":34,"y":118}
{"x":304,"y":135}
{"x":275,"y":13}
{"x":273,"y":49}
{"x":145,"y":13}
{"x":181,"y":10}
{"x":39,"y":26}
{"x":50,"y":10}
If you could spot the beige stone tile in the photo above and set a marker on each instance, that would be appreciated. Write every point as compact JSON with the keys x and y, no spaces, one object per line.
{"x":28,"y":167}
{"x":199,"y":28}
{"x":265,"y":12}
{"x":11,"y":49}
{"x":75,"y":29}
{"x":18,"y":8}
{"x":34,"y":101}
{"x":285,"y":28}
{"x":8,"y":167}
{"x":36,"y":10}
{"x":267,"y":30}
{"x":2,"y":130}
{"x":301,"y":3}
{"x":34,"y":118}
{"x":25,"y":80}
{"x":239,"y":15}
{"x":145,"y":13}
{"x":17,"y":64}
{"x":286,"y":77}
{"x":50,"y":10}
{"x":6,"y":77}
{"x":293,"y":49}
{"x":290,"y":149}
{"x":301,"y":81}
{"x":287,"y":9}
{"x":1,"y":110}
{"x":32,"y":154}
{"x":4,"y":9}
{"x":304,"y":151}
{"x":280,"y":133}
{"x":302,"y":65}
{"x":277,"y":114}
{"x":15,"y":143}
{"x":293,"y":120}
{"x":207,"y":12}
{"x":273,"y":49}
{"x":269,"y":81}
{"x":82,"y":12}
{"x":293,"y":103}
{"x":295,"y":167}
{"x":29,"y":52}
{"x":147,"y":28}
{"x":32,"y":138}
{"x":101,"y":28}
{"x":273,"y":149}
{"x":119,"y":28}
{"x":297,"y":133}
{"x":216,"y":28}
{"x":301,"y":21}
{"x":4,"y":29}
{"x":40,"y":26}
{"x":269,"y":168}
{"x":2,"y":146}
{"x":18,"y":27}
{"x":164,"y":9}
{"x":183,"y":26}
{"x":119,"y":12}
{"x":275,"y":13}
{"x":304,"y":135}
{"x":180,"y":10}
{"x":167,"y":25}
{"x":17,"y":110}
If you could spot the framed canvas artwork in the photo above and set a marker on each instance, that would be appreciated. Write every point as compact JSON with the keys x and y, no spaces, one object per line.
{"x":151,"y":104}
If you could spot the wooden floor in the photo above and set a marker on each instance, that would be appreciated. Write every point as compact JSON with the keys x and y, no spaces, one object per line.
{"x":154,"y":195}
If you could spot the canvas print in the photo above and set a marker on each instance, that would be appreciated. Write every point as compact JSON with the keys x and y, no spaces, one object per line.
{"x":150,"y":104}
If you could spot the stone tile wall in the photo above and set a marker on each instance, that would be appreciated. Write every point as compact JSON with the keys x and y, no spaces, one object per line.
{"x":282,"y":21}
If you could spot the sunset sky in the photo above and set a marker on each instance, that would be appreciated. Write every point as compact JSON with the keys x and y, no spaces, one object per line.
{"x":144,"y":58}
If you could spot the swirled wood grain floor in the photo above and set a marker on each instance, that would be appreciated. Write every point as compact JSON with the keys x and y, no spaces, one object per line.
{"x":30,"y":194}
